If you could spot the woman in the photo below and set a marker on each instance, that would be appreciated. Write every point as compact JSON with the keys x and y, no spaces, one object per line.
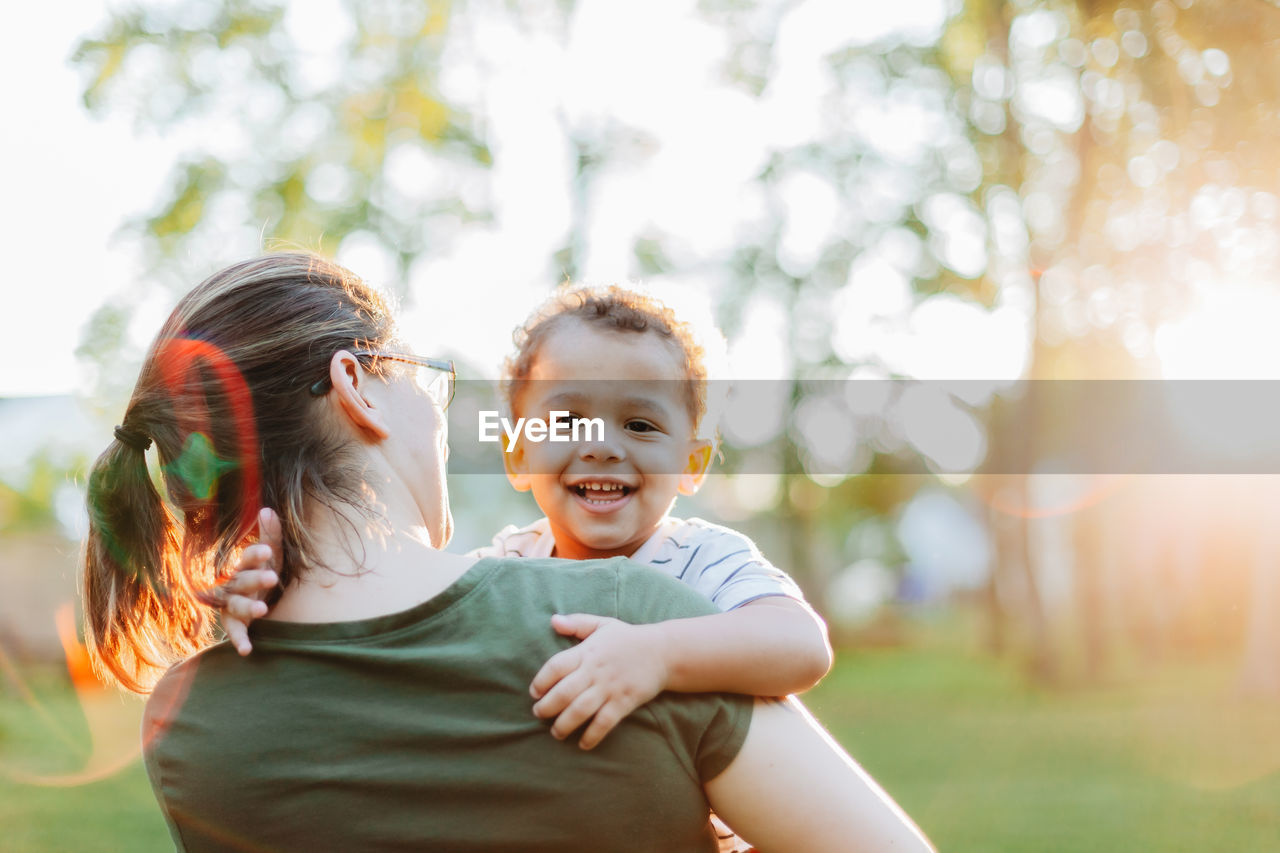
{"x":386,"y":703}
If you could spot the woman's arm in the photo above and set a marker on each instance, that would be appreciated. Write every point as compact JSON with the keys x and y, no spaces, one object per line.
{"x":791,"y":787}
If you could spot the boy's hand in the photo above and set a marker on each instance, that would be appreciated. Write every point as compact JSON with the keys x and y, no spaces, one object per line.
{"x":240,"y":597}
{"x":614,"y":670}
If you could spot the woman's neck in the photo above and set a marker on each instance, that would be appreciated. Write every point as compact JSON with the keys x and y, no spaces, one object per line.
{"x":370,"y":568}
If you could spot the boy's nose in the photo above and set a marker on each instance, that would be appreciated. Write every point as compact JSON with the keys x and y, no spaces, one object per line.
{"x":601,"y":451}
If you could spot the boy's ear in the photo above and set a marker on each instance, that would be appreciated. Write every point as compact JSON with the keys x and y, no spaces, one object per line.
{"x":696,"y":469}
{"x":515,"y":464}
{"x":350,"y":395}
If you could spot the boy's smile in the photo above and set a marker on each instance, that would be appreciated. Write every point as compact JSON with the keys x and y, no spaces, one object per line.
{"x":605,"y":497}
{"x":601,"y":495}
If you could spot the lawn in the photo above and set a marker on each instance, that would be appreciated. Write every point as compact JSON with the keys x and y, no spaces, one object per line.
{"x":1175,"y":761}
{"x":44,"y":739}
{"x":983,"y":762}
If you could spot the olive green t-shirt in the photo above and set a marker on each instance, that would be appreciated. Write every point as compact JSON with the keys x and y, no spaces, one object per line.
{"x":415,"y":730}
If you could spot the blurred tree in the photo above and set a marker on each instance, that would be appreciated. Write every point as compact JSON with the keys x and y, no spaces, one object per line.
{"x":1113,"y":159}
{"x":36,"y":498}
{"x":1145,"y":180}
{"x":1074,"y":171}
{"x":303,"y":125}
{"x":1260,"y":673}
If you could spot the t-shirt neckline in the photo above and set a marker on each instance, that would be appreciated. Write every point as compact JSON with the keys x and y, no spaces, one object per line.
{"x":271,"y":629}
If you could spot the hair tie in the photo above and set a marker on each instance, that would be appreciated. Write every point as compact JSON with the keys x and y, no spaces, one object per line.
{"x":133,"y":439}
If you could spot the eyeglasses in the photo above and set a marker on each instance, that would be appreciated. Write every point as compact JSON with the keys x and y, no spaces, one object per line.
{"x":438,"y":384}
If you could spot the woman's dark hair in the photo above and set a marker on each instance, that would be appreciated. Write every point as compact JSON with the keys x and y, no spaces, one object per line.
{"x":224,"y":393}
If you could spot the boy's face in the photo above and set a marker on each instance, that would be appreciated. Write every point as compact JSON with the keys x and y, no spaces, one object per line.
{"x":604,"y":498}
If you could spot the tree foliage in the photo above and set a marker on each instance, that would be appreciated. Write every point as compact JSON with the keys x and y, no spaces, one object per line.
{"x":286,"y":141}
{"x":1077,"y":171}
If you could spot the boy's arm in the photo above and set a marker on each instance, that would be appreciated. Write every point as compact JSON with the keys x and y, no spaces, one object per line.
{"x":768,"y":647}
{"x":768,"y":641}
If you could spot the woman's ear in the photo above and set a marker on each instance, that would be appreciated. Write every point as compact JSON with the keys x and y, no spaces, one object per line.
{"x":350,"y":394}
{"x":517,"y":467}
{"x":695,"y":470}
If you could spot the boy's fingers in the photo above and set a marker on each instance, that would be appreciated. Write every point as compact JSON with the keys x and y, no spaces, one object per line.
{"x":243,"y":608}
{"x":251,"y":582}
{"x":559,"y":666}
{"x":270,"y":533}
{"x":257,"y":556}
{"x":238,"y":634}
{"x":603,"y":723}
{"x":580,"y":625}
{"x":578,"y":712}
{"x":237,"y":612}
{"x":561,"y":696}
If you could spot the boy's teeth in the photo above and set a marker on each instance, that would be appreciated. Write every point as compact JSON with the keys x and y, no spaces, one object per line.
{"x":600,"y":493}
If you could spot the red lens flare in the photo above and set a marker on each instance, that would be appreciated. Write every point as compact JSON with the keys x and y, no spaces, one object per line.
{"x":179,"y":360}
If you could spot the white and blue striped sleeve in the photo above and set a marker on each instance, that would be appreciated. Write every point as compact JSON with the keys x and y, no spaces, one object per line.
{"x":535,"y":540}
{"x":724,"y":565}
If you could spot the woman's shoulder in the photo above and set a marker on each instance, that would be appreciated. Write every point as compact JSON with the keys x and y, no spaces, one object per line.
{"x":616,"y":586}
{"x":169,"y":695}
{"x":542,"y":577}
{"x":553,"y":571}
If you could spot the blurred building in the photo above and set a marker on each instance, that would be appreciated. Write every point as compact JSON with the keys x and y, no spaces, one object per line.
{"x":44,"y":445}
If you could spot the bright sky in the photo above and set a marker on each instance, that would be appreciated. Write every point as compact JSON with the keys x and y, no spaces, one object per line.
{"x":70,"y":181}
{"x":67,"y":181}
{"x":75,"y":179}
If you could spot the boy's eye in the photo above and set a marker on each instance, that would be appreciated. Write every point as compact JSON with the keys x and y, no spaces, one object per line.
{"x":641,"y":426}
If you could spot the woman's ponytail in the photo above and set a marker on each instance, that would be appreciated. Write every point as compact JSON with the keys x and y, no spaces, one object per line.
{"x":224,"y":395}
{"x":141,"y":612}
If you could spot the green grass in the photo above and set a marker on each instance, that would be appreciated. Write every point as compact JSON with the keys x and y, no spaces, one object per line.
{"x":984,"y":763}
{"x":1174,"y":761}
{"x":48,"y":739}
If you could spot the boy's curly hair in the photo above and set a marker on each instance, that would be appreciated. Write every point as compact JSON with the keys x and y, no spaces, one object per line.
{"x":625,"y":310}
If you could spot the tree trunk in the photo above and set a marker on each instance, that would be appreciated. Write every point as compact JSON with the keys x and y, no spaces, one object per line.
{"x":1260,"y":672}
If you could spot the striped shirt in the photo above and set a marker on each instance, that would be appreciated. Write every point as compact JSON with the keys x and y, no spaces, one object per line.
{"x":721,"y":564}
